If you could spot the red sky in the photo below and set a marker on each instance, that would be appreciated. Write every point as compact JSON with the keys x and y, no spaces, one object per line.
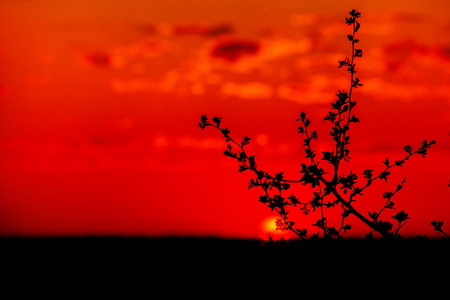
{"x":99,"y":105}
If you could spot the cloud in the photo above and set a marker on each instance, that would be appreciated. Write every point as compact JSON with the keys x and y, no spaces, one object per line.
{"x":202,"y":29}
{"x":277,"y":48}
{"x":250,"y":90}
{"x":283,"y":66}
{"x":392,"y":16}
{"x":121,"y":56}
{"x":406,"y":71}
{"x":97,"y":59}
{"x":237,"y":57}
{"x":234,"y":50}
{"x":318,"y":88}
{"x":383,"y":89}
{"x":141,"y":50}
{"x":187,"y":29}
{"x":410,"y":52}
{"x":263,"y":50}
{"x":302,"y":94}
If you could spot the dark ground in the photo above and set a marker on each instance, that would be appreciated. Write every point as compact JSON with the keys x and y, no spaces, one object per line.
{"x":203,"y":251}
{"x":209,"y":260}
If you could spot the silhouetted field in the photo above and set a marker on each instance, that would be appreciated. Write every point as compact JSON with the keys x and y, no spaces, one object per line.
{"x":208,"y":266}
{"x":173,"y":253}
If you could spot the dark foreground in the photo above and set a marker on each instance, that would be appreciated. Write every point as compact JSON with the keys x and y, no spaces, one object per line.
{"x":211,"y":250}
{"x":200,"y":260}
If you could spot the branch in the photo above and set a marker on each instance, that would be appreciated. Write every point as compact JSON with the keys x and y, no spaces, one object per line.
{"x":368,"y":173}
{"x":263,"y":179}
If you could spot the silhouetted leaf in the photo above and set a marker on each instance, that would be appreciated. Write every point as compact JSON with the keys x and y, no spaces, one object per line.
{"x":332,"y":231}
{"x":342,"y":96}
{"x":301,"y":232}
{"x":356,"y":83}
{"x":321,"y":223}
{"x":351,"y":68}
{"x":302,"y":117}
{"x":373,"y":215}
{"x":228,"y":153}
{"x":203,"y":122}
{"x":399,"y":163}
{"x":368,"y":173}
{"x":345,"y":108}
{"x":347,"y":227}
{"x":384,"y":226}
{"x":245,"y":141}
{"x":329,"y":156}
{"x":408,"y":149}
{"x":242,"y":156}
{"x":217,"y":120}
{"x":251,"y":160}
{"x":388,"y":195}
{"x":330,"y":117}
{"x":354,"y":13}
{"x":344,"y":62}
{"x":400,"y":185}
{"x":348,"y":181}
{"x":356,"y":191}
{"x":293,"y":199}
{"x":401,"y":216}
{"x":437,"y":225}
{"x":242,"y":168}
{"x":279,"y":176}
{"x":384,"y":175}
{"x":225,"y":131}
{"x":354,"y":119}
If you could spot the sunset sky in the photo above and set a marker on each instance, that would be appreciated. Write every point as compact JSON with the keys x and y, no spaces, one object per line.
{"x":100,"y":103}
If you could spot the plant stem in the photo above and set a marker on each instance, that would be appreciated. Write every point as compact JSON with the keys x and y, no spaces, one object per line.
{"x":351,"y":208}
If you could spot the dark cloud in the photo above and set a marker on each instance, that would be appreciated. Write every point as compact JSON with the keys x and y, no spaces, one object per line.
{"x":234,"y":50}
{"x":98,"y":59}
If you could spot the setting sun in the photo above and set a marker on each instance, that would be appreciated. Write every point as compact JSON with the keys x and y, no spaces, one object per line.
{"x":268,"y":227}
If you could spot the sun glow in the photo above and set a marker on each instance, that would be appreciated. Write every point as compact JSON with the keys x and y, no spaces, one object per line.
{"x":268,"y":227}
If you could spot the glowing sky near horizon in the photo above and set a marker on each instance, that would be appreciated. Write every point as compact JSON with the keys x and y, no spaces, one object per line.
{"x":99,"y":106}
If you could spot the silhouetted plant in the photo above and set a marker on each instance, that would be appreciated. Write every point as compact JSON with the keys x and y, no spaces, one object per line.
{"x":339,"y":189}
{"x":438,"y":227}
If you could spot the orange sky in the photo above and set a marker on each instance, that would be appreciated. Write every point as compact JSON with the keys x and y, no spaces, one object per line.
{"x":99,"y":105}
